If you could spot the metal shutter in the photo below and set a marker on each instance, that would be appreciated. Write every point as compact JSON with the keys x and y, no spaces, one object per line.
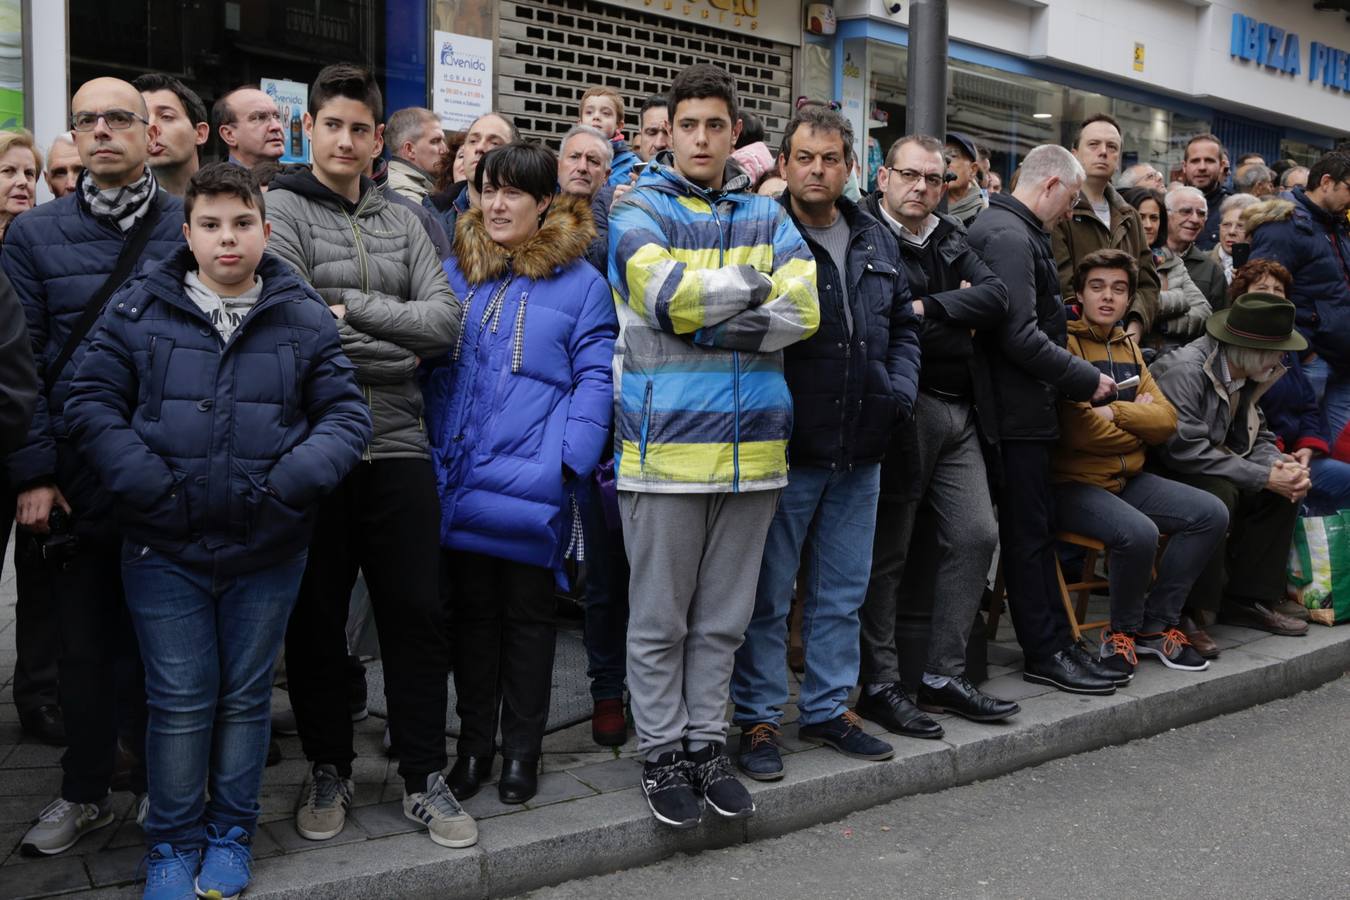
{"x":551,"y":51}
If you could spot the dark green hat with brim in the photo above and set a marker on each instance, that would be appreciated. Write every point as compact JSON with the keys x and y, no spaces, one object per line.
{"x":1258,"y":321}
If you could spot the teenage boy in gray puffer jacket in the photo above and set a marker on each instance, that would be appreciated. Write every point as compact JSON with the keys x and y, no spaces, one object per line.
{"x":373,"y":263}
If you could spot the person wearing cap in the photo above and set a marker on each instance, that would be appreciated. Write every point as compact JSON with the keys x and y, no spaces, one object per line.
{"x":1223,"y":445}
{"x":964,"y":200}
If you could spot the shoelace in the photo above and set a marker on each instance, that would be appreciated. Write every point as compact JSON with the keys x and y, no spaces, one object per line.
{"x":1122,"y":644}
{"x":324,"y":790}
{"x":667,"y":777}
{"x":1174,"y":639}
{"x":236,"y":856}
{"x":440,"y":801}
{"x":763,"y":733}
{"x":853,"y":719}
{"x":158,"y":866}
{"x":56,"y":811}
{"x":713,"y":770}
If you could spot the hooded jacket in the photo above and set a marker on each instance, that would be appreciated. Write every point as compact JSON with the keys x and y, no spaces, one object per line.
{"x":525,"y":397}
{"x":374,"y":258}
{"x":216,"y":451}
{"x":710,"y":285}
{"x":1084,"y":233}
{"x":622,"y":162}
{"x":1315,"y":247}
{"x":56,"y":255}
{"x":1030,"y":366}
{"x":851,"y":387}
{"x":1213,"y":437}
{"x":1102,"y":453}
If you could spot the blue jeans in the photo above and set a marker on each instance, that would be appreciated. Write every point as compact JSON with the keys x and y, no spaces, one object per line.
{"x":1330,"y":486}
{"x":208,"y":640}
{"x":605,"y":621}
{"x":1332,"y":390}
{"x":823,"y":527}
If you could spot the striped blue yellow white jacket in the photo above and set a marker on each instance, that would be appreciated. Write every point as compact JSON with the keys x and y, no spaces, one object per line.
{"x":710,"y":286}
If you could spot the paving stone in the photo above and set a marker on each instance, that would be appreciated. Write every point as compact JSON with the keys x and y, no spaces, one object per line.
{"x":290,"y":841}
{"x":1005,"y":655}
{"x":114,"y":867}
{"x":1013,"y":687}
{"x":44,"y":782}
{"x":556,"y":787}
{"x":399,"y":866}
{"x":42,"y":877}
{"x":1234,"y":635}
{"x":614,"y":775}
{"x":31,"y":755}
{"x":485,"y":805}
{"x":383,"y":819}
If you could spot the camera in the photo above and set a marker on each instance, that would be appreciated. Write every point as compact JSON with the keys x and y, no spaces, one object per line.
{"x":61,"y":544}
{"x":894,"y":7}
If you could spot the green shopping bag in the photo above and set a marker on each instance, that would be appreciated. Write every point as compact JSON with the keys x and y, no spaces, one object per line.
{"x":1319,"y":566}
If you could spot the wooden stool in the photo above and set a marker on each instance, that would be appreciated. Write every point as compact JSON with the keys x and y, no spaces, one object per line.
{"x":1074,"y":595}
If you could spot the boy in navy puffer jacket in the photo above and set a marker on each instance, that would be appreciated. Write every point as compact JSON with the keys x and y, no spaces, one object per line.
{"x":217,"y":406}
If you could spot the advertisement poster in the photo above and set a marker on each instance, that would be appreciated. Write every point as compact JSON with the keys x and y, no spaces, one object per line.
{"x":11,"y":65}
{"x":292,"y":99}
{"x":461,"y":79}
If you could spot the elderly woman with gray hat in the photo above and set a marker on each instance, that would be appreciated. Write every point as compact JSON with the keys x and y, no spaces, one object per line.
{"x":1222,"y":445}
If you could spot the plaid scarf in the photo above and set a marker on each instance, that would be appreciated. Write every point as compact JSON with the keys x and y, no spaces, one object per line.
{"x":122,"y":206}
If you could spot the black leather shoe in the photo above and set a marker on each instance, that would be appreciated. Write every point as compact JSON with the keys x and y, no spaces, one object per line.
{"x":1093,"y":664}
{"x":46,"y":724}
{"x":893,"y":710}
{"x":519,"y":780}
{"x":962,"y":698}
{"x":1065,"y":672}
{"x":468,"y":774}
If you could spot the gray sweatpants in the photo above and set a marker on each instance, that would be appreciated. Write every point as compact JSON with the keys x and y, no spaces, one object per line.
{"x":695,"y":562}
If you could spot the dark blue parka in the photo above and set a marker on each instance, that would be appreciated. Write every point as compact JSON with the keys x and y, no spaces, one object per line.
{"x":851,"y":389}
{"x":1315,"y":247}
{"x":216,"y":452}
{"x":526,"y":398}
{"x":56,"y":256}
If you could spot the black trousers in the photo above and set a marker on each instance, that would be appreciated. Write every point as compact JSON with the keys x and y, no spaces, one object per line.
{"x":37,"y":636}
{"x":504,"y":632}
{"x":99,"y":666}
{"x":1250,"y":563}
{"x":383,"y":520}
{"x":1026,"y":531}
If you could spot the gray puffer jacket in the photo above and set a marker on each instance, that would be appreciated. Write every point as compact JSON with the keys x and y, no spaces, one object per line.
{"x":374,"y":258}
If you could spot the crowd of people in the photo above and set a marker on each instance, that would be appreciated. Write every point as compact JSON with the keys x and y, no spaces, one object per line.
{"x":715,"y":374}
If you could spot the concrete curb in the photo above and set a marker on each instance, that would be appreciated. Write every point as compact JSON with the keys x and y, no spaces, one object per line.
{"x":611,"y":831}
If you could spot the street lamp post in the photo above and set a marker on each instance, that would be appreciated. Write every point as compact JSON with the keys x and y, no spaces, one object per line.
{"x":926,"y":109}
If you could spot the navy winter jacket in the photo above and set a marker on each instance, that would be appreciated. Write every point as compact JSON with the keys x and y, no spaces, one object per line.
{"x":216,"y":452}
{"x":526,"y":398}
{"x":1292,"y":411}
{"x":1315,"y":247}
{"x":851,"y":389}
{"x":56,"y":256}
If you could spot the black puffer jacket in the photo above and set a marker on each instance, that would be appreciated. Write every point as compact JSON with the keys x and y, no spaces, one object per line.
{"x":849,"y":391}
{"x":935,"y":271}
{"x":1030,"y":366}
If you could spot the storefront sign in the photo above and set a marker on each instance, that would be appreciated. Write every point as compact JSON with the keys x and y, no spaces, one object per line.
{"x":1274,"y":48}
{"x":743,"y":16}
{"x":292,"y":99}
{"x":1138,"y":57}
{"x":461,"y":86}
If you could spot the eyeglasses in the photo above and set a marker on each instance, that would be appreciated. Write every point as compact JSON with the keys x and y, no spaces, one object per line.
{"x":1188,"y":211}
{"x":909,"y":176}
{"x":116,"y":119}
{"x":804,"y":101}
{"x":261,"y":116}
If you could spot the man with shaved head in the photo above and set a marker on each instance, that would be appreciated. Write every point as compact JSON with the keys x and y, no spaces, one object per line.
{"x":250,"y":126}
{"x":65,"y":259}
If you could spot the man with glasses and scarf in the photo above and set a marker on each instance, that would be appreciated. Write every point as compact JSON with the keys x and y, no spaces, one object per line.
{"x":936,"y":461}
{"x":65,"y":259}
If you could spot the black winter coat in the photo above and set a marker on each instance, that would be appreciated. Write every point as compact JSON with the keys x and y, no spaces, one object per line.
{"x":849,"y":391}
{"x":18,"y":374}
{"x":1027,"y":358}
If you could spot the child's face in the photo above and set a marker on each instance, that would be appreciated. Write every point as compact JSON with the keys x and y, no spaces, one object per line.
{"x":227,"y":237}
{"x":343,"y":137}
{"x":599,"y":113}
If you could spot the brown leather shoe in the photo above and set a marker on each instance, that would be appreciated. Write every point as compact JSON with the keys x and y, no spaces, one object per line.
{"x":1263,"y":618}
{"x":1199,"y":638}
{"x":1293,"y":609}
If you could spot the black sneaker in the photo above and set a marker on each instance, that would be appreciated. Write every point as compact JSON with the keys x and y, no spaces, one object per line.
{"x":845,"y":734}
{"x":665,"y":784}
{"x":710,"y":772}
{"x":759,"y":756}
{"x":1173,"y":648}
{"x":1118,"y":654}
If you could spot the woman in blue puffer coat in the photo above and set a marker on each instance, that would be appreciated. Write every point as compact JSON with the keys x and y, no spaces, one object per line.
{"x":519,"y":408}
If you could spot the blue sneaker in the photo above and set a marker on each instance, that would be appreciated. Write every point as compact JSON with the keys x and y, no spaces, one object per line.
{"x":169,"y":874}
{"x":226,"y":865}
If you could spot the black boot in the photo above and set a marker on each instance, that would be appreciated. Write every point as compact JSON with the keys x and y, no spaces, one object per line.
{"x":468,"y":774}
{"x":519,"y":780}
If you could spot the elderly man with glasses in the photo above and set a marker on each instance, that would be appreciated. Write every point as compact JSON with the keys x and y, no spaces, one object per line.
{"x":250,"y":126}
{"x":65,"y":258}
{"x":936,"y":461}
{"x":1187,"y":212}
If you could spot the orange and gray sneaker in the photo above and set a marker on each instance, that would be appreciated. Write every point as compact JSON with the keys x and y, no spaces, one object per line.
{"x":1173,"y":648}
{"x":1118,"y":653}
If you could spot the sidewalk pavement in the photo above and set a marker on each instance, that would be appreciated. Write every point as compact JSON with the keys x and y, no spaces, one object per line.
{"x":589,"y":816}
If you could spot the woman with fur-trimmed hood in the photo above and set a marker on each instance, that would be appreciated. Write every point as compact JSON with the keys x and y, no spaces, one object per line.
{"x":517,"y":410}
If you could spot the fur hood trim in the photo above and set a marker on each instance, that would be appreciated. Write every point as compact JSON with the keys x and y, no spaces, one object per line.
{"x":567,"y":231}
{"x":1265,"y":212}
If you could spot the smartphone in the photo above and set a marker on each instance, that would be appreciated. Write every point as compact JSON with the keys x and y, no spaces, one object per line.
{"x":1241,"y":253}
{"x":1132,"y":381}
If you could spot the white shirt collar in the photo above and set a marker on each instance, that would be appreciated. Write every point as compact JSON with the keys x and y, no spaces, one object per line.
{"x":930,"y":225}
